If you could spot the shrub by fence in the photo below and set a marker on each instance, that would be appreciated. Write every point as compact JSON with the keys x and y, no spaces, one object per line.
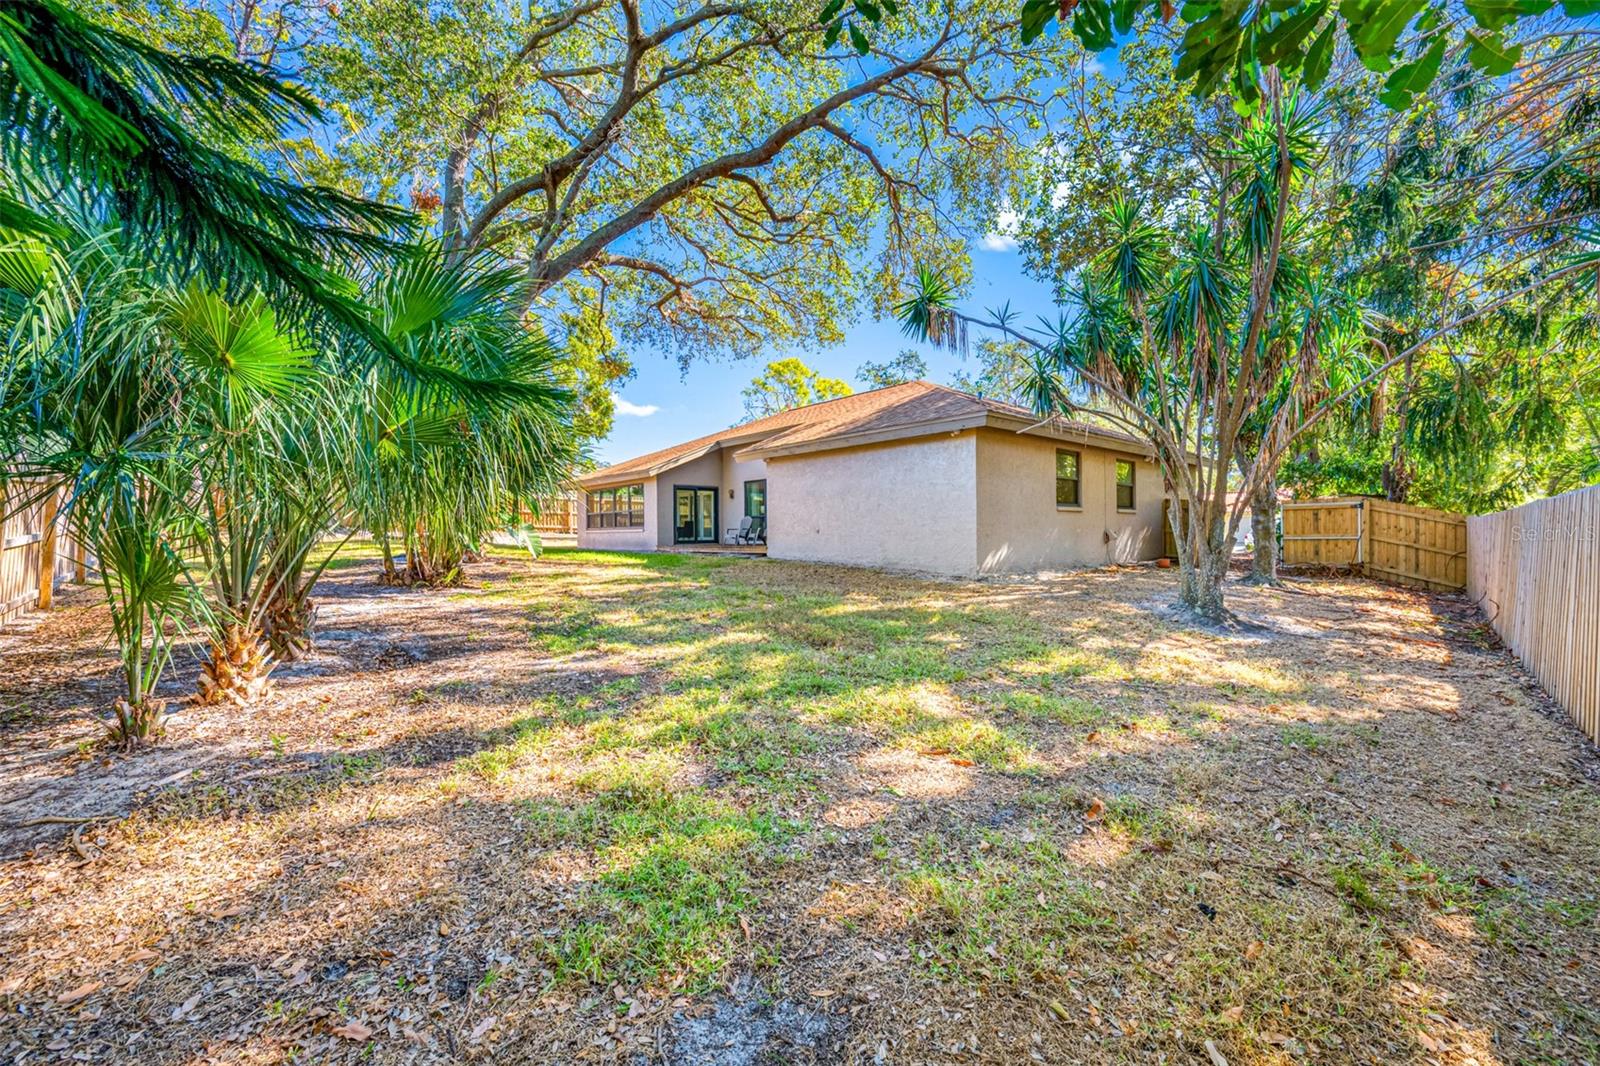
{"x":1535,"y":571}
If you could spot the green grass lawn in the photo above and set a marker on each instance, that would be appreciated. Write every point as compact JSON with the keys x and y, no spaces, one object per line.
{"x":1107,"y":739}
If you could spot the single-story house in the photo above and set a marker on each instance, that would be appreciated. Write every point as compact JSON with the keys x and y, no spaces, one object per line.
{"x":915,"y":476}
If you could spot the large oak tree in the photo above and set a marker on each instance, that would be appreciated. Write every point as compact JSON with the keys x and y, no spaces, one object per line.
{"x":705,"y":177}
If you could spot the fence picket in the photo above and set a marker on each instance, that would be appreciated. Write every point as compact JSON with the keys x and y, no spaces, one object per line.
{"x":1535,"y":572}
{"x":29,"y":545}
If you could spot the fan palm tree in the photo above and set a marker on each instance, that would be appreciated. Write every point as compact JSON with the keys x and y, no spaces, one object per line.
{"x":96,"y":121}
{"x":246,"y":387}
{"x":86,"y":403}
{"x":447,"y":464}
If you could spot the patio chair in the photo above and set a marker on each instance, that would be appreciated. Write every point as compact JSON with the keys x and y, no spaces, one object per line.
{"x":757,"y":533}
{"x":737,"y":535}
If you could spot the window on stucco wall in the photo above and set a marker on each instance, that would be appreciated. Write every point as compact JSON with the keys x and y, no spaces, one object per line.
{"x":1067,"y":481}
{"x":1125,"y":498}
{"x":755,"y":498}
{"x":618,"y":508}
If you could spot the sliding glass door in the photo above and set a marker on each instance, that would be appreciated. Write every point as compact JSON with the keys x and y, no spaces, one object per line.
{"x":694,"y":510}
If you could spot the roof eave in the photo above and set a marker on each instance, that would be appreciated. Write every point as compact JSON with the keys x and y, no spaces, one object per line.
{"x":1075,"y":432}
{"x":601,"y":479}
{"x":932,"y":427}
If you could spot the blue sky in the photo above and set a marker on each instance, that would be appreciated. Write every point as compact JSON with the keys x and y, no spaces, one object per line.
{"x":707,"y":398}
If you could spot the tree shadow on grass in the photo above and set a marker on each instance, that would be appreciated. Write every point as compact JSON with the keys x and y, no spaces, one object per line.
{"x":765,"y":766}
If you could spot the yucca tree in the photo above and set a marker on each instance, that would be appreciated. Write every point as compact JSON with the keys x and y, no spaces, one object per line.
{"x":1212,"y":345}
{"x":445,"y":463}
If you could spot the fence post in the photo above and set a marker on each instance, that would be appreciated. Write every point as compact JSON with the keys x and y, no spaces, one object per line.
{"x":47,"y":552}
{"x":1363,"y":537}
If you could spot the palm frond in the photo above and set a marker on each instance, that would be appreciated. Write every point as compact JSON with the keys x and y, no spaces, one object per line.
{"x":121,"y":127}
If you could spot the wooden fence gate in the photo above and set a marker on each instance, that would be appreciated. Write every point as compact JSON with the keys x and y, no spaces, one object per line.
{"x":1395,"y":542}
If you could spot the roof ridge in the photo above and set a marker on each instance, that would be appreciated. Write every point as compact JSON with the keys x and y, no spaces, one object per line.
{"x":776,"y":423}
{"x":824,"y":403}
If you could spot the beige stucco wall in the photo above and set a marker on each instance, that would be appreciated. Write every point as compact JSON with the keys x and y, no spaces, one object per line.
{"x":735,"y":473}
{"x":704,"y":472}
{"x":642,"y":539}
{"x":1021,"y":529}
{"x":908,"y":505}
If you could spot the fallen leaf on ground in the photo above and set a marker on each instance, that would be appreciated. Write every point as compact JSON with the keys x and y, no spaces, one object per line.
{"x":353,"y":1031}
{"x":1233,"y":1014}
{"x":1096,"y":808}
{"x":962,"y":762}
{"x":483,"y":1027}
{"x":83,"y":991}
{"x":1216,"y":1056}
{"x":934,"y":751}
{"x":1253,"y":952}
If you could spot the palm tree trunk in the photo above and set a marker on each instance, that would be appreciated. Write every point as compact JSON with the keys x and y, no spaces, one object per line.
{"x":239,"y":667}
{"x":141,"y":718}
{"x":291,"y":624}
{"x":1397,"y":474}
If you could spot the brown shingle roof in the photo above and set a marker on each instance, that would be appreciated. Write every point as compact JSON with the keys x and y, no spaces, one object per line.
{"x":935,"y":407}
{"x":898,"y":410}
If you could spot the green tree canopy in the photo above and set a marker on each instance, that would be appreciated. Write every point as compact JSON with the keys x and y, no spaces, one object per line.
{"x":789,"y":383}
{"x":711,"y":178}
{"x":906,"y":366}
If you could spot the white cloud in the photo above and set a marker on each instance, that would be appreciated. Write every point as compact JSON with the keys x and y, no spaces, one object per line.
{"x":635,"y":410}
{"x":1003,"y":237}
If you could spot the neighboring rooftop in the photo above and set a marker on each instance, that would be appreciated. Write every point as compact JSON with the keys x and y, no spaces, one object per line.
{"x":913,"y":409}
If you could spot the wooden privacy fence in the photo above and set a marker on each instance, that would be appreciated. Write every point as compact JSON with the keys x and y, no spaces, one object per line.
{"x":31,"y":547}
{"x":1392,"y":541}
{"x":1535,"y":572}
{"x":553,"y":514}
